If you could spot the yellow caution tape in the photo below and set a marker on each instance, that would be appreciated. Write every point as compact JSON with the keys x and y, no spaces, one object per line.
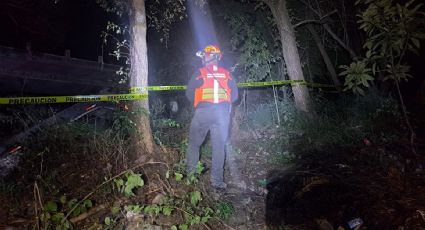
{"x":271,"y":83}
{"x":241,"y":85}
{"x":157,"y":88}
{"x":72,"y":99}
{"x":138,"y":93}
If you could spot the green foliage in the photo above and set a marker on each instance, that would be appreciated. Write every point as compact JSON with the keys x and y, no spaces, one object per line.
{"x":161,"y":131}
{"x":55,"y":212}
{"x":183,"y":146}
{"x":195,"y":197}
{"x":191,"y":205}
{"x":224,"y":210}
{"x":253,"y":40}
{"x":162,"y":14}
{"x":109,"y":221}
{"x":178,"y":176}
{"x":344,"y":122}
{"x":357,"y":75}
{"x":163,"y":128}
{"x":134,"y":208}
{"x":206,"y":149}
{"x":119,"y":7}
{"x":192,"y":178}
{"x":392,"y":27}
{"x":123,"y":124}
{"x":118,"y":35}
{"x":392,"y":30}
{"x":128,"y":183}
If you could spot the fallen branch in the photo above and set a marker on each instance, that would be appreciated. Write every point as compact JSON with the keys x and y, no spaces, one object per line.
{"x":89,"y":213}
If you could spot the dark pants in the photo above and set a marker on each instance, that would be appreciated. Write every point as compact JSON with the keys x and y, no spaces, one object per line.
{"x":214,"y":118}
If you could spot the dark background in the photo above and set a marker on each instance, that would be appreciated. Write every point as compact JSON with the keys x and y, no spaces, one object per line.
{"x":76,"y":25}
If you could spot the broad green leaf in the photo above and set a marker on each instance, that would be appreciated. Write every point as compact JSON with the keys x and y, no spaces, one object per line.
{"x":178,"y":176}
{"x":107,"y":221}
{"x":58,"y":217}
{"x":183,"y":227}
{"x":119,"y":182}
{"x":88,"y":203}
{"x":72,"y":202}
{"x":166,"y":210}
{"x":51,"y":206}
{"x":195,"y":197}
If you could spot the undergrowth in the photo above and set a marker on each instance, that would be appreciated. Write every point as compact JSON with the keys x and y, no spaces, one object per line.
{"x":345,"y":122}
{"x":73,"y":170}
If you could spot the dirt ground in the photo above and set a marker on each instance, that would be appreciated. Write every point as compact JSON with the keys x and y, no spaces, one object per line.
{"x":382,"y":186}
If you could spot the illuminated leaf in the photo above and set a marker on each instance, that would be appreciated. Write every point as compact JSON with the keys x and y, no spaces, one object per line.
{"x":195,"y":197}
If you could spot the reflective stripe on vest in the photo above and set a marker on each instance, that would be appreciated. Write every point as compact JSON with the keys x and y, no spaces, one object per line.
{"x":214,"y":88}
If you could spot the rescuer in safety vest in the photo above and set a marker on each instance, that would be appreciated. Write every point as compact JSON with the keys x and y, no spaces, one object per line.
{"x":212,"y":91}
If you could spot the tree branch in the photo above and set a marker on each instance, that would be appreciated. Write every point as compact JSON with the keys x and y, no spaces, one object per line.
{"x":314,"y":20}
{"x":329,"y":30}
{"x":307,"y":22}
{"x":334,"y":36}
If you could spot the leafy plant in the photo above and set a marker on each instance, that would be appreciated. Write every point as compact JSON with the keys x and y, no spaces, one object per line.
{"x":130,"y":182}
{"x":225,"y":210}
{"x":192,"y":178}
{"x":357,"y":76}
{"x":254,"y":40}
{"x":136,"y":209}
{"x":55,"y":212}
{"x":109,"y":221}
{"x":392,"y":29}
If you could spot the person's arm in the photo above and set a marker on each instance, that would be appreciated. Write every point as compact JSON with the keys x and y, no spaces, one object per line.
{"x":192,"y":85}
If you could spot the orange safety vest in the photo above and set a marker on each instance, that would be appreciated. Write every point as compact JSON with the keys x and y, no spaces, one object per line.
{"x":214,"y":88}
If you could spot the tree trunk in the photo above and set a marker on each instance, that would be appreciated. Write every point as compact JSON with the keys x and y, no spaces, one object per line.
{"x":340,"y":42}
{"x":139,"y":73}
{"x":290,"y":52}
{"x":325,"y":56}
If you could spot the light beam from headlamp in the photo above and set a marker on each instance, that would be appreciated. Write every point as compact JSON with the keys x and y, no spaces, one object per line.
{"x":202,"y":24}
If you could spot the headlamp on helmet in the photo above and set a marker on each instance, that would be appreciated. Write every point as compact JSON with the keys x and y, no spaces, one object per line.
{"x":210,"y":50}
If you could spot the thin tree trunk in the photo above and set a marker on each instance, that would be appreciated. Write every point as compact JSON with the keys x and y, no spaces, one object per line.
{"x":325,"y":56}
{"x":290,"y":53}
{"x":340,"y":42}
{"x":329,"y":30}
{"x":139,"y":73}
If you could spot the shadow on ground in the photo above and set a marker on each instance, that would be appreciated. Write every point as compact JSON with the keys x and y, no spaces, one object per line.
{"x":329,"y":189}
